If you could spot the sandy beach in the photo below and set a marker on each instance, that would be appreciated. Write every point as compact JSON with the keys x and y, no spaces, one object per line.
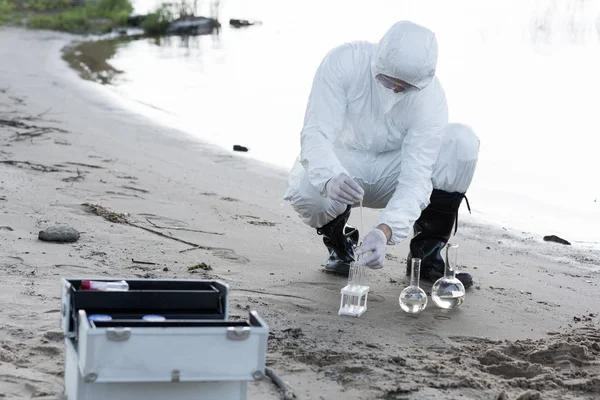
{"x":529,"y":328}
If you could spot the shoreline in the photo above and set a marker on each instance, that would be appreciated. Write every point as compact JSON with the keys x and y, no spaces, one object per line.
{"x":175,"y":180}
{"x":157,"y":115}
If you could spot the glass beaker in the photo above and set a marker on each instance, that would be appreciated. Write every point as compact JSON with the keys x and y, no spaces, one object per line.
{"x":413,"y":299}
{"x":356,"y":292}
{"x":448,"y":292}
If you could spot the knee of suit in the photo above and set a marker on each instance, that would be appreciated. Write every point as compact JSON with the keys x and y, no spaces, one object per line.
{"x":314,"y":209}
{"x":458,"y":158}
{"x":461,"y":142}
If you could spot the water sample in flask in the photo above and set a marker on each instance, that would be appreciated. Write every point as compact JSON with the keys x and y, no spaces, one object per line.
{"x":448,"y":292}
{"x":413,"y":299}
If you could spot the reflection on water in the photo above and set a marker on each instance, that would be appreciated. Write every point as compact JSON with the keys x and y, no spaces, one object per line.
{"x":193,"y":44}
{"x":520,"y":72}
{"x":90,"y":59}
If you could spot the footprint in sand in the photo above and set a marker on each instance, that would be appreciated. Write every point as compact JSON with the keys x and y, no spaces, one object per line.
{"x":510,"y":368}
{"x":262,"y":223}
{"x":54,"y":336}
{"x":251,"y":219}
{"x":123,"y":176}
{"x":6,"y":354}
{"x":231,"y":255}
{"x":46,"y":350}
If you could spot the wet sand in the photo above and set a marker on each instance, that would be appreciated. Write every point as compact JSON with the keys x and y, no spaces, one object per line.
{"x":529,"y":329}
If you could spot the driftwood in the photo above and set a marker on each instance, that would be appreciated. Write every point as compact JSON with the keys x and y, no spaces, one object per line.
{"x":287,"y":392}
{"x":143,"y":262}
{"x":34,"y":166}
{"x":85,"y":165}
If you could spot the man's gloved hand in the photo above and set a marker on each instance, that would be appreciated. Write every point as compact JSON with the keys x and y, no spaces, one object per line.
{"x":372,"y":249}
{"x":344,"y":189}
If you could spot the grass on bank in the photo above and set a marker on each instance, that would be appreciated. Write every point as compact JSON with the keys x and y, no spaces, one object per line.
{"x":6,"y":11}
{"x":80,"y":16}
{"x":90,"y":16}
{"x":61,"y":15}
{"x":157,"y":22}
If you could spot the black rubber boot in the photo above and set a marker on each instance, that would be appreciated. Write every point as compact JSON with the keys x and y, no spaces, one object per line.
{"x":432,"y":231}
{"x":340,"y":240}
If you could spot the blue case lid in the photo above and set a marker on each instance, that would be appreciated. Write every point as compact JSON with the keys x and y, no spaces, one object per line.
{"x":153,"y":318}
{"x":99,"y":317}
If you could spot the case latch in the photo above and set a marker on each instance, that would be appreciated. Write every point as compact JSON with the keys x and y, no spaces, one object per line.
{"x":234,"y":333}
{"x":118,"y":335}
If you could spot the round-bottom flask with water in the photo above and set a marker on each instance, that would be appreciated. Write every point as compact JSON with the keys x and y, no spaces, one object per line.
{"x":448,"y":292}
{"x":413,"y":299}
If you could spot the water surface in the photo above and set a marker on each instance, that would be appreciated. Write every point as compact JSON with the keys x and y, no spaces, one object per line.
{"x":522,"y":73}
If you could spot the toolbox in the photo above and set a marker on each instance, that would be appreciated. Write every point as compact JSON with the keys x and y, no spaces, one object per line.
{"x":191,"y":351}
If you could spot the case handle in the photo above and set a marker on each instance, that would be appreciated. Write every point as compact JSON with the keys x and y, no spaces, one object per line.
{"x":234,"y":333}
{"x":118,"y":335}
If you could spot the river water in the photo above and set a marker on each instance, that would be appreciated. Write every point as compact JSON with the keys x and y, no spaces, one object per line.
{"x":523,"y":73}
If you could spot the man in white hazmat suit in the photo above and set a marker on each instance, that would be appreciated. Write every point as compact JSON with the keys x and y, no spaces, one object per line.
{"x":376,"y":131}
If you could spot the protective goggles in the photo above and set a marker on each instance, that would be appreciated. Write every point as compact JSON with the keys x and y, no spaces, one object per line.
{"x":392,"y":84}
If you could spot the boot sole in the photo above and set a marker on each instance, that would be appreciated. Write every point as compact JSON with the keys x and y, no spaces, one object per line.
{"x":338,"y":268}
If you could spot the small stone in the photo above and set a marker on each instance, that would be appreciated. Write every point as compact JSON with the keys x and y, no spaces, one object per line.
{"x":59,"y":234}
{"x":165,"y":269}
{"x":556,"y":239}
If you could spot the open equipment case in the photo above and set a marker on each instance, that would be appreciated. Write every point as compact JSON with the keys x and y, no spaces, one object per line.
{"x":195,"y":353}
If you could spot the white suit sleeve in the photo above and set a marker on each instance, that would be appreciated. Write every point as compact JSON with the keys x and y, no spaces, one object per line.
{"x":419,"y":153}
{"x":324,"y":118}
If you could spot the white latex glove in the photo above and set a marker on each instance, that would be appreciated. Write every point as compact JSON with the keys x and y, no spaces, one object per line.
{"x":344,"y":189}
{"x":372,"y":249}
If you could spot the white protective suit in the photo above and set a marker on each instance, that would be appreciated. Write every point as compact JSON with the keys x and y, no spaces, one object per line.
{"x":398,"y":147}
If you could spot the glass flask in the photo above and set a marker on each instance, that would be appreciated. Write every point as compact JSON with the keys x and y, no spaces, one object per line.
{"x":413,"y":299}
{"x":448,"y":292}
